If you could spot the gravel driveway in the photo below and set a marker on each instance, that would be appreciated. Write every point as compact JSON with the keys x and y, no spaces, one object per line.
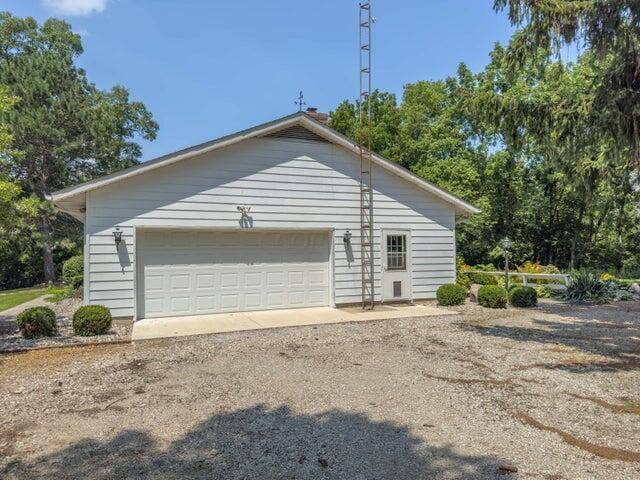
{"x":552,"y":391}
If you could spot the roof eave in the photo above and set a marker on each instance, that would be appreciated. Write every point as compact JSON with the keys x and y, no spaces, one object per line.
{"x":174,"y":157}
{"x":461,"y":207}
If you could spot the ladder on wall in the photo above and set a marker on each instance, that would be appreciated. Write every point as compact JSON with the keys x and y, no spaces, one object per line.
{"x":366,"y":161}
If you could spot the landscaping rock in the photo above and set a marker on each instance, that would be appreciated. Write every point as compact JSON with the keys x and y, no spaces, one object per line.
{"x":473,"y":292}
{"x":505,"y":469}
{"x":635,"y":288}
{"x":229,"y":406}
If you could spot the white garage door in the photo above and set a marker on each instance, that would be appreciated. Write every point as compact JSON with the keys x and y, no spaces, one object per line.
{"x":190,"y":273}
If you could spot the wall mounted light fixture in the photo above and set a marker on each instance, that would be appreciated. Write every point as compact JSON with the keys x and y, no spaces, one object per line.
{"x":346,"y":238}
{"x":117,"y":236}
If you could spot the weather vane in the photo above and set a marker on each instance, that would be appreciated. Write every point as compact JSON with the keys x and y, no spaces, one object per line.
{"x":300,"y":102}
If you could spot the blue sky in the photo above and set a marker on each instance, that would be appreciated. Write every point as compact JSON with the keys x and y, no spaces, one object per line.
{"x":206,"y":68}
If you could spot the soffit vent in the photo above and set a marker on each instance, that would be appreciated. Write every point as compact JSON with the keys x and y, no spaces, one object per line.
{"x":297,"y":133}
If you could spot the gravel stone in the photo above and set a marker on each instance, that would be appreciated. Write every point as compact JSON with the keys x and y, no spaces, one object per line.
{"x":551,"y":390}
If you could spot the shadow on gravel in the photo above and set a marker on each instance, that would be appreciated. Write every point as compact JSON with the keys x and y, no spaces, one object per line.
{"x":609,"y":331}
{"x":261,"y":443}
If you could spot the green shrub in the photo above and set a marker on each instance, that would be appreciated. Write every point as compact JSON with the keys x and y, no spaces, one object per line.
{"x":630,"y":268}
{"x":492,"y":296}
{"x":73,"y":271}
{"x":58,"y":293}
{"x":462,"y":278}
{"x":523,"y":297}
{"x":627,"y":282}
{"x":513,"y":285}
{"x":543,"y":291}
{"x":485,"y":267}
{"x":37,"y":322}
{"x":451,"y":294}
{"x":482,"y":278}
{"x":91,"y":320}
{"x":586,"y":286}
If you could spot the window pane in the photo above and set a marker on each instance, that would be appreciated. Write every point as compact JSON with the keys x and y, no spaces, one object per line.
{"x":396,"y":252}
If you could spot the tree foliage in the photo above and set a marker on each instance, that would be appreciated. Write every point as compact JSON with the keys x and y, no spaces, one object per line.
{"x":506,"y":140}
{"x":65,"y":130}
{"x":610,"y":31}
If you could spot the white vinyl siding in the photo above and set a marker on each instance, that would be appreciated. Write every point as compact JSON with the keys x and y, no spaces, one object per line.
{"x":289,"y":185}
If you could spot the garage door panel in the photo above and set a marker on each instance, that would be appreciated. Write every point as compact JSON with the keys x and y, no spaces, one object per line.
{"x":317,"y":277}
{"x":229,"y":280}
{"x":205,"y":303}
{"x":253,"y":300}
{"x":296,"y":298}
{"x":253,"y":279}
{"x":316,"y":296}
{"x":154,"y":282}
{"x":184,"y":273}
{"x":178,"y":282}
{"x":154,"y":306}
{"x":229,"y":301}
{"x":205,"y":280}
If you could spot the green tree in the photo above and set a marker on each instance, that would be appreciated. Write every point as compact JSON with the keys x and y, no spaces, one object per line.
{"x":609,"y":30}
{"x":6,"y":103}
{"x":65,"y":128}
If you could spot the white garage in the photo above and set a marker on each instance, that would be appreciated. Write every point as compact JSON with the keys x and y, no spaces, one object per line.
{"x":186,"y":272}
{"x":265,"y":218}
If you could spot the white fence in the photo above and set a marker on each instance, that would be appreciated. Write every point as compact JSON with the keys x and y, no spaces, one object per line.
{"x":556,"y":277}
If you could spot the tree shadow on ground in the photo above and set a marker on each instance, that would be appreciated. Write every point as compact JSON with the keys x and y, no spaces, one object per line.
{"x":610,"y":331}
{"x":262,"y":443}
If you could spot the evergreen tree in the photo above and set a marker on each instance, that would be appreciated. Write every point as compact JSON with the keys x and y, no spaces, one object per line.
{"x":64,"y":128}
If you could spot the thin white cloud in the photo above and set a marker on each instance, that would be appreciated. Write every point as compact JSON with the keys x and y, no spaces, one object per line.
{"x":76,"y":7}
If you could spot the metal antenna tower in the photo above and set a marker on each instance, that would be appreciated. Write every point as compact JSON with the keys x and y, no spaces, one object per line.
{"x":366,"y":163}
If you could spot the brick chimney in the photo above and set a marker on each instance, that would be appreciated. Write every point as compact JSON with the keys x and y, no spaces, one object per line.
{"x":321,"y":117}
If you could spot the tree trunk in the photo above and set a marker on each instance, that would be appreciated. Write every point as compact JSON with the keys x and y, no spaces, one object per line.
{"x":46,"y":230}
{"x":572,"y":259}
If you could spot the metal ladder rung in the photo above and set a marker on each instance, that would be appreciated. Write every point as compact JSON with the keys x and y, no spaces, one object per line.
{"x":366,"y":160}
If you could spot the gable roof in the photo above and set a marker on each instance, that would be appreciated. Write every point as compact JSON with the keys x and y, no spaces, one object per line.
{"x":299,"y":119}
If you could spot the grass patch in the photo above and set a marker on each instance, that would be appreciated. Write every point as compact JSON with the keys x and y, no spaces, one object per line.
{"x":13,"y":298}
{"x":59,"y":293}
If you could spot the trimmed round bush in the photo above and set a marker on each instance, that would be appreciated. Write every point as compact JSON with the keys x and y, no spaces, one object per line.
{"x":492,"y":296}
{"x":73,"y":271}
{"x":523,"y":297}
{"x":37,"y":322}
{"x":451,"y":294}
{"x":482,"y":278}
{"x":91,"y":320}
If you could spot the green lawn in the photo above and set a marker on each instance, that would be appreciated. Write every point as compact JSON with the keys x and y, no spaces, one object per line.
{"x":12,"y":298}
